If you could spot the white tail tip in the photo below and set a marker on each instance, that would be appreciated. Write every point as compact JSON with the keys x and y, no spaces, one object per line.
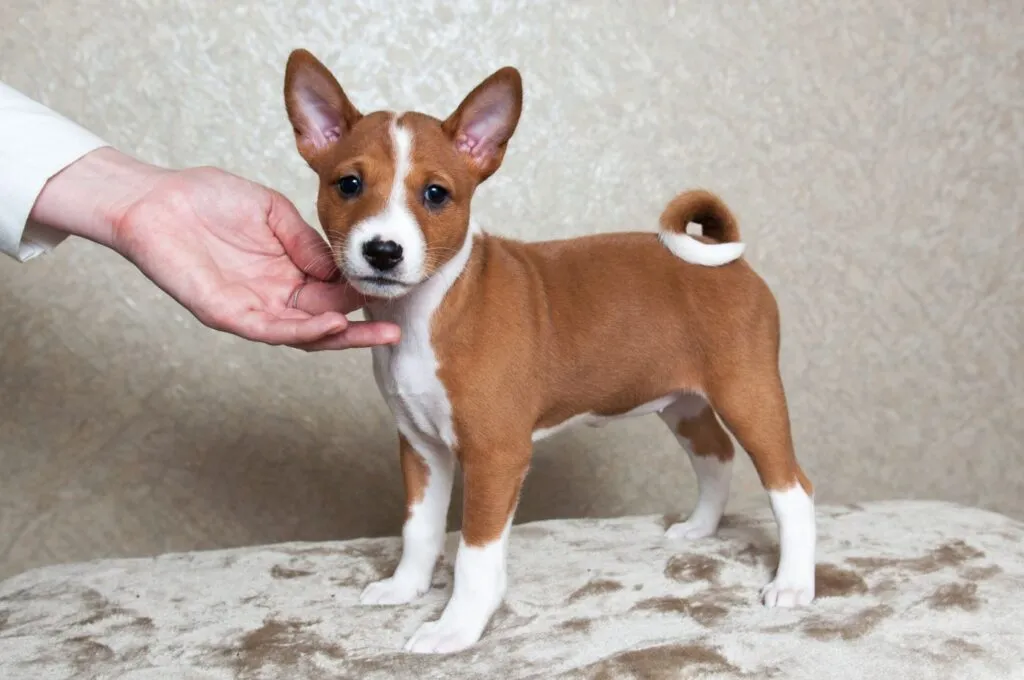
{"x":689,"y":249}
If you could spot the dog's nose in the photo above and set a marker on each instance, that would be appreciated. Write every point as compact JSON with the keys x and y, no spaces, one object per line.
{"x":382,"y":255}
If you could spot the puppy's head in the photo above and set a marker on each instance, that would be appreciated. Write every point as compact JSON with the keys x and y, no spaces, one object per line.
{"x":395,"y":190}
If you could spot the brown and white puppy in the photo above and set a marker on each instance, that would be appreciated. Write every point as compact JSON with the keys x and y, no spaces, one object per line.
{"x":505,"y":342}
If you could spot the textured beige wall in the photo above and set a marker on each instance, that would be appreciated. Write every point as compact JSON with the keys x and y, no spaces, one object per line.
{"x":874,"y":153}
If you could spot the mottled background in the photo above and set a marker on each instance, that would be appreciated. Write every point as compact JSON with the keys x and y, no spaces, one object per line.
{"x":873,"y":152}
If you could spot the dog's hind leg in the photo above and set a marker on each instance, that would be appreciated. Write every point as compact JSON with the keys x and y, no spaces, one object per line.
{"x":752,"y":405}
{"x":710,"y":450}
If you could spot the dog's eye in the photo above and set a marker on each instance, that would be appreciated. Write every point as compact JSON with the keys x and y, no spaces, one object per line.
{"x":435,"y":196}
{"x":350,"y":186}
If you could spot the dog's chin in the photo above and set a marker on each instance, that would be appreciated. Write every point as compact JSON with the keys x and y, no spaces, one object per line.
{"x":380,"y":287}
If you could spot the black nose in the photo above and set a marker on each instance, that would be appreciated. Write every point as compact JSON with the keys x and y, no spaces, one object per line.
{"x":382,"y":255}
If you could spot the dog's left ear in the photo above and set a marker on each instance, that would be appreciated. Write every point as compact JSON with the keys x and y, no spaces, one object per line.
{"x":485,"y":121}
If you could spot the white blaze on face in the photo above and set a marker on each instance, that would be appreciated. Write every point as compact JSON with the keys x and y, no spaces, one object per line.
{"x":394,"y":223}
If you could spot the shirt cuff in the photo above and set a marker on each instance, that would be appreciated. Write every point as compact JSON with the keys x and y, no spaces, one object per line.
{"x":36,"y":143}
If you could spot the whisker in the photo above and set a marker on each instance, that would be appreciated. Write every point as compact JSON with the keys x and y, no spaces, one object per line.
{"x":434,"y":254}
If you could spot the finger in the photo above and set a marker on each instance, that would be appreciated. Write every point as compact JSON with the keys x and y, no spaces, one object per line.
{"x":290,"y":313}
{"x":317,"y":297}
{"x":274,"y":330}
{"x":306,"y":248}
{"x":298,"y":314}
{"x":361,"y":334}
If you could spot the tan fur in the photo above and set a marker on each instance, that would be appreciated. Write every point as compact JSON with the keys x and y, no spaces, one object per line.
{"x":535,"y":333}
{"x":414,"y":472}
{"x":705,"y":209}
{"x":706,"y":436}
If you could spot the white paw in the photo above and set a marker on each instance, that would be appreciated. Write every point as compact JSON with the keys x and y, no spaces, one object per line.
{"x":691,"y":530}
{"x":442,"y":637}
{"x":783,"y":592}
{"x":391,"y":591}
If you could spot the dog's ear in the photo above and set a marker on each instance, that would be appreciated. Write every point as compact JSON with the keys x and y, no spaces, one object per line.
{"x":485,"y":121}
{"x":320,"y":112}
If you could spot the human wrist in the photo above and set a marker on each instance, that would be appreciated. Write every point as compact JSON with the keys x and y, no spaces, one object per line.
{"x":89,"y":197}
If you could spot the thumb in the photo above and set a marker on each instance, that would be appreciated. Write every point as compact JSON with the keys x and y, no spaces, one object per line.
{"x":310,"y":253}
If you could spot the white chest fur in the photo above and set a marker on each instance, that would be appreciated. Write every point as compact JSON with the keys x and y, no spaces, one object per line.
{"x":407,"y":377}
{"x":406,"y":373}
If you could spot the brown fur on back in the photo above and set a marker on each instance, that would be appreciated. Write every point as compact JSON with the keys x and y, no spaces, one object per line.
{"x":539,"y":332}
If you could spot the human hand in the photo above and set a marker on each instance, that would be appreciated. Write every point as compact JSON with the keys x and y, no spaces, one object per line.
{"x":234,"y":253}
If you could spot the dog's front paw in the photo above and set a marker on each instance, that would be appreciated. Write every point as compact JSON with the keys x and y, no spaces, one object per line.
{"x":392,"y":591}
{"x":785,"y":592}
{"x":442,"y":637}
{"x":691,"y":530}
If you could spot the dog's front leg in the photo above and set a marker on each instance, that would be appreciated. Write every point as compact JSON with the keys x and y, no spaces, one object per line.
{"x":428,"y":474}
{"x":492,"y":480}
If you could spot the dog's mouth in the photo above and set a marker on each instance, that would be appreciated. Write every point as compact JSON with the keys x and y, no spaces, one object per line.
{"x":382,"y":281}
{"x":377,"y":286}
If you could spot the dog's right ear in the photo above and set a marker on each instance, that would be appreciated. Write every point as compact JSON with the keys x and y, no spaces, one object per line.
{"x":320,"y":112}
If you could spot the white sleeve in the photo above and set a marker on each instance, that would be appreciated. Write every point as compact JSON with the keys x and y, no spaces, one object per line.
{"x":35,"y":144}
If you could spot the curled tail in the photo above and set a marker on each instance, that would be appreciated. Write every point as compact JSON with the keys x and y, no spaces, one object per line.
{"x":721,"y":239}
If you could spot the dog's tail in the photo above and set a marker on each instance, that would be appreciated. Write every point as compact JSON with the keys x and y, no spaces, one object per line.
{"x":720,"y":243}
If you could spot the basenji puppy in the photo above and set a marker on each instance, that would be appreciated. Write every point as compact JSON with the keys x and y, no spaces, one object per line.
{"x":505,"y":342}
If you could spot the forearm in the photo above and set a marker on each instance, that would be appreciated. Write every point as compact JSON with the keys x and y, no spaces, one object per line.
{"x":87,"y":198}
{"x":56,"y":178}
